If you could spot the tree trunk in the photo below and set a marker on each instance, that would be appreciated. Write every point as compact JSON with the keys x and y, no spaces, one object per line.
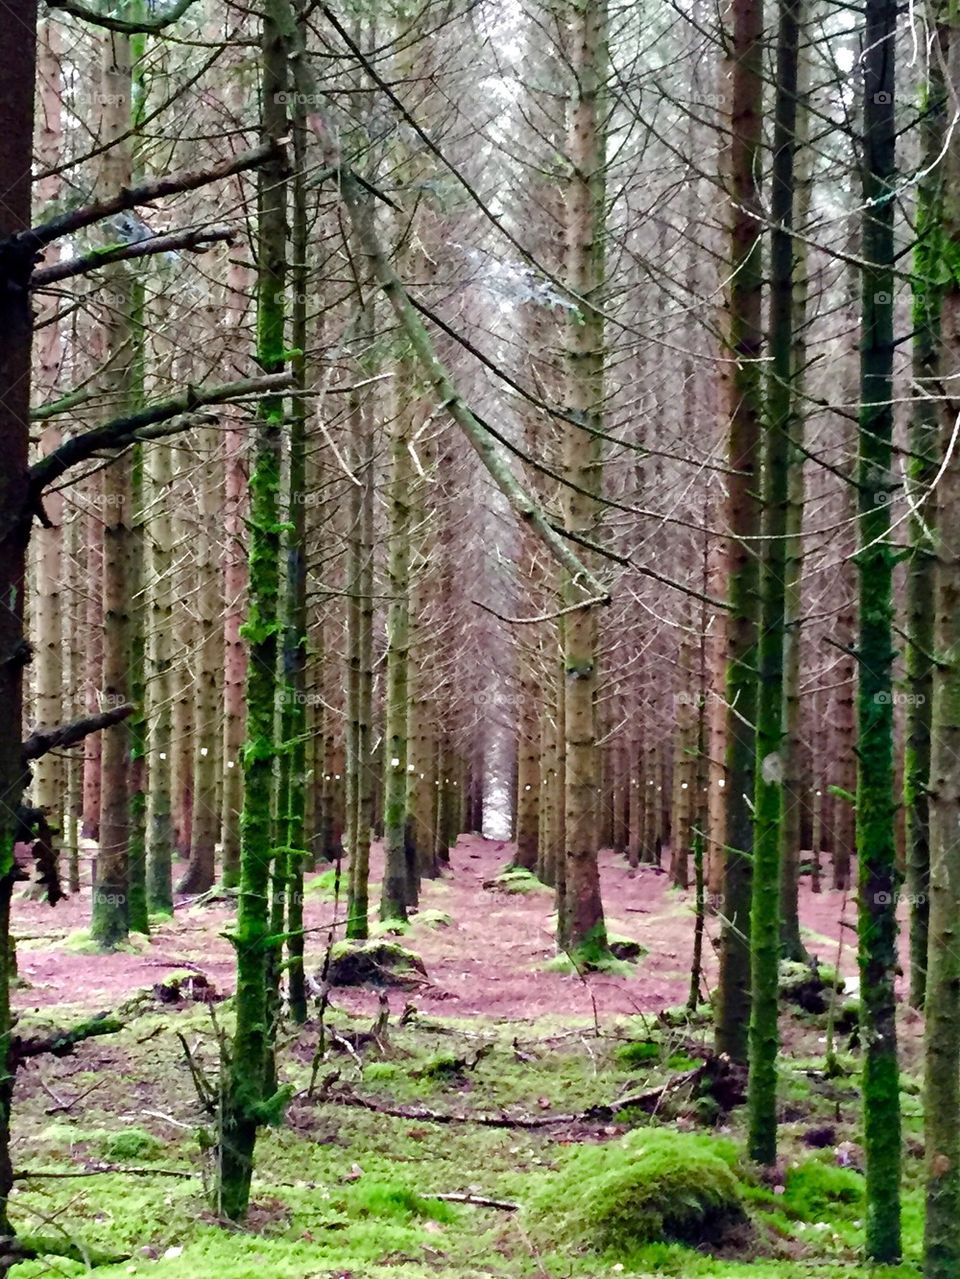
{"x":245,"y":1103}
{"x":768,"y":796}
{"x":876,"y":801}
{"x":111,"y":908}
{"x":580,"y":924}
{"x":923,"y":462}
{"x":941,"y":1103}
{"x":743,"y":341}
{"x":17,"y":79}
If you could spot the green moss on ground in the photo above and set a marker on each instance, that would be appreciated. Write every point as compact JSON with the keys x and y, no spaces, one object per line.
{"x":648,"y":1186}
{"x":515,"y":879}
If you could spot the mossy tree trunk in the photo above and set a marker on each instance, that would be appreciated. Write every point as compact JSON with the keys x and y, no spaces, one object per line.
{"x":876,"y":800}
{"x":795,"y":791}
{"x":768,"y":797}
{"x":245,"y":1104}
{"x":293,"y":773}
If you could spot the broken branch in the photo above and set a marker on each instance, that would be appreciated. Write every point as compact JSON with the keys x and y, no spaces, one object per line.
{"x":44,"y":740}
{"x":124,"y":430}
{"x":194,"y":238}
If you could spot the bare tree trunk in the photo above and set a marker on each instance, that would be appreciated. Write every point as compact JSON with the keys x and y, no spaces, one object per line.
{"x":580,"y":923}
{"x":110,"y":918}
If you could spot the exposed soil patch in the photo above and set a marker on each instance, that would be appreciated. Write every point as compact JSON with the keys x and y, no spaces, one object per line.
{"x":490,"y":960}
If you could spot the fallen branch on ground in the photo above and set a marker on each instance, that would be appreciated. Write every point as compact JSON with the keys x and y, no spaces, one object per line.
{"x":100,"y":1170}
{"x":479,"y":1201}
{"x":60,"y":1043}
{"x":649,"y":1101}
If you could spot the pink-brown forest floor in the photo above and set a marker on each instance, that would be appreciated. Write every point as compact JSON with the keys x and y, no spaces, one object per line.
{"x":489,"y":961}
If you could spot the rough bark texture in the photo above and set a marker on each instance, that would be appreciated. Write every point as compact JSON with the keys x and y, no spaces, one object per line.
{"x":942,"y":994}
{"x":876,"y":802}
{"x":17,"y":74}
{"x":927,"y":297}
{"x":743,"y":341}
{"x":246,"y":1104}
{"x":580,"y":922}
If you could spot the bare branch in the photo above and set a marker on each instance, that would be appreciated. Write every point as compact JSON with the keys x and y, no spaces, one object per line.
{"x":195,"y":238}
{"x":124,"y":430}
{"x":45,"y":740}
{"x":145,"y":193}
{"x":146,"y":27}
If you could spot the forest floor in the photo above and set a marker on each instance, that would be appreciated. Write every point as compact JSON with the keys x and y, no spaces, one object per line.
{"x":486,"y":1080}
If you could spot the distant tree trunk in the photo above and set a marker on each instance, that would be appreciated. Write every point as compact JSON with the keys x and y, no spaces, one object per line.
{"x":47,"y":788}
{"x":360,"y":633}
{"x":396,"y":888}
{"x":93,"y":744}
{"x":111,"y":908}
{"x":159,"y":659}
{"x":876,"y":800}
{"x":743,"y":340}
{"x":205,"y":814}
{"x":234,"y":664}
{"x":580,"y":923}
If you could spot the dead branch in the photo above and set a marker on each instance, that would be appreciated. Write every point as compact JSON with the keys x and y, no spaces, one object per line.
{"x":206,"y":1093}
{"x":60,"y":1043}
{"x":479,"y":1201}
{"x":132,"y":426}
{"x":44,"y":740}
{"x":100,"y":1170}
{"x":649,"y":1101}
{"x":194,"y":238}
{"x":133,"y":197}
{"x":145,"y":27}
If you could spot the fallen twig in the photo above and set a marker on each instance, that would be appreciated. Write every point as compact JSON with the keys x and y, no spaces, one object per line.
{"x":479,"y":1201}
{"x":99,"y":1170}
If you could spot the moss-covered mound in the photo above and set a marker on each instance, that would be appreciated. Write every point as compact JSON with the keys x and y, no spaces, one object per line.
{"x":515,"y":879}
{"x":648,"y":1186}
{"x":808,"y":986}
{"x":375,"y":963}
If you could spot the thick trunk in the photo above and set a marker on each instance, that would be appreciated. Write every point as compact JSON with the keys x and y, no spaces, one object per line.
{"x":580,"y":924}
{"x":768,"y":795}
{"x":927,"y":293}
{"x":246,"y":1103}
{"x":941,"y":1102}
{"x":17,"y":79}
{"x":743,"y":340}
{"x":876,"y":801}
